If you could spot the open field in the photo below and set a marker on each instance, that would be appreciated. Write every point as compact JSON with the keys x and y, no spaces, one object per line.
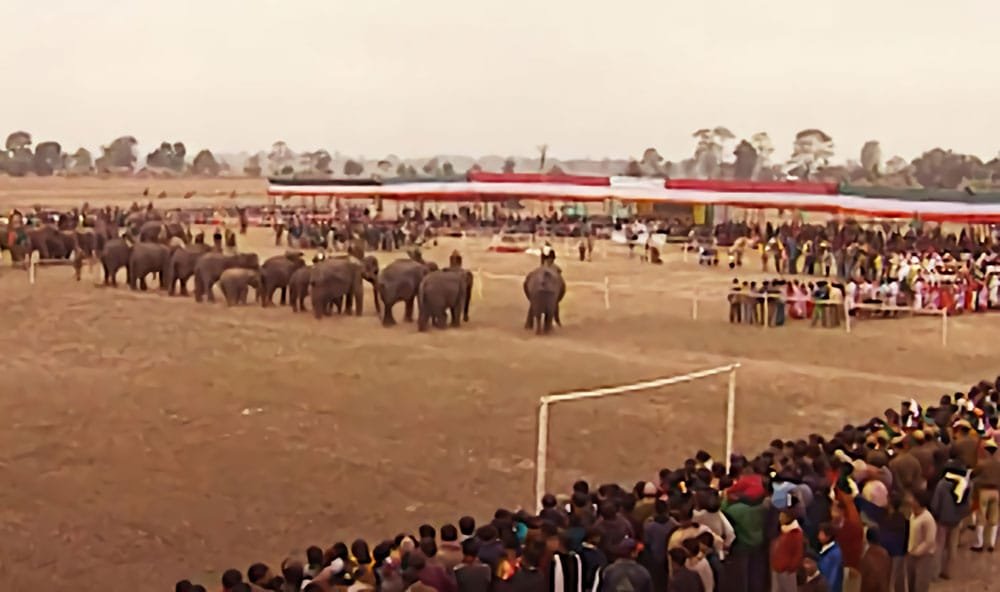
{"x":146,"y":438}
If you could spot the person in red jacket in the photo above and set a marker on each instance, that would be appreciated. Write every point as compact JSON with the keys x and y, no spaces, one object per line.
{"x":787,"y":551}
{"x":850,"y":536}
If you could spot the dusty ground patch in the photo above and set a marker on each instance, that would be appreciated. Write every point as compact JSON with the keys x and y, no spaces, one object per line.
{"x":129,"y":457}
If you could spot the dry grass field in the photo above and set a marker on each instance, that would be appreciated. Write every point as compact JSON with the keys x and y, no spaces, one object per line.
{"x":145,"y":438}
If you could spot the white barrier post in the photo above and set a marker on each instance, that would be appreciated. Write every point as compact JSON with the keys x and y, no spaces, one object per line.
{"x":944,"y":327}
{"x":847,"y":314}
{"x":542,"y":451}
{"x":479,"y":284}
{"x":731,"y":414}
{"x":607,"y":294}
{"x":33,"y":259}
{"x":694,"y":305}
{"x":766,"y":296}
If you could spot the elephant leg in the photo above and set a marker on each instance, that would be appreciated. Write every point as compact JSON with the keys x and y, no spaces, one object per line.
{"x":183,"y":281}
{"x":549,"y":314}
{"x":209,"y":295}
{"x":408,"y":317}
{"x":317,"y":304}
{"x":465,"y":305}
{"x":142,"y":282}
{"x":555,"y":316}
{"x":423,"y":318}
{"x":456,"y":315}
{"x":359,"y":300}
{"x":387,"y":318}
{"x":131,"y":271}
{"x":107,"y":273}
{"x":284,"y":291}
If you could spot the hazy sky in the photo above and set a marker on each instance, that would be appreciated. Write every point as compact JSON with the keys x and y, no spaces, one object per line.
{"x":419,"y":77}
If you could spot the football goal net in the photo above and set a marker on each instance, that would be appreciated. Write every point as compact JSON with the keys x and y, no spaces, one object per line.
{"x":545,"y":407}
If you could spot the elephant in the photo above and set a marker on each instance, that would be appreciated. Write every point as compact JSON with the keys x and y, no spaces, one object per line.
{"x":276,"y":273}
{"x":441,"y":293}
{"x":210,"y":266}
{"x":147,"y":258}
{"x":544,"y":288}
{"x":181,"y":266}
{"x":298,"y":288}
{"x":87,"y":241}
{"x":159,"y":231}
{"x":48,"y":241}
{"x":399,"y":282}
{"x":455,"y":266}
{"x":235,"y":282}
{"x":114,"y":256}
{"x":336,"y":278}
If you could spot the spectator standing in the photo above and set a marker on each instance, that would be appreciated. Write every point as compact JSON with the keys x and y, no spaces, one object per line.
{"x":697,"y":563}
{"x":831,"y":562}
{"x":950,"y":506}
{"x":450,"y":551}
{"x":786,"y":553}
{"x":682,"y":579}
{"x":812,"y":577}
{"x":876,"y":565}
{"x":986,"y":478}
{"x":920,"y":551}
{"x":472,"y":575}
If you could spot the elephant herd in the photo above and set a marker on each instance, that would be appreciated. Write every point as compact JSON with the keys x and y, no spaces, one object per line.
{"x":439,"y":296}
{"x":162,"y":250}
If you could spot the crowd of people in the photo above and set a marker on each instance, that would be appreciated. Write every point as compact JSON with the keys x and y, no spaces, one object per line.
{"x":862,"y":270}
{"x":888,"y":505}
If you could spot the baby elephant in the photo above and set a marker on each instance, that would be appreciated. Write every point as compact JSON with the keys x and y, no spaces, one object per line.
{"x":235,"y":283}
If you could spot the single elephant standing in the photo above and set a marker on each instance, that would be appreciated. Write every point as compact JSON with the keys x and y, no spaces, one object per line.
{"x":298,"y":288}
{"x":544,"y":288}
{"x":114,"y":256}
{"x":210,"y":266}
{"x":147,"y":258}
{"x":276,"y":273}
{"x":336,"y":278}
{"x":455,"y":266}
{"x":399,"y":282}
{"x":181,"y":266}
{"x":235,"y":285}
{"x":441,"y":293}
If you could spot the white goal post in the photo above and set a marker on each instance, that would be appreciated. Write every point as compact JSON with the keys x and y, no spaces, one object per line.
{"x":542,"y":450}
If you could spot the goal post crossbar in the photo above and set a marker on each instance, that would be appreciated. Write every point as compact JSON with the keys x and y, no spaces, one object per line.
{"x":547,"y":401}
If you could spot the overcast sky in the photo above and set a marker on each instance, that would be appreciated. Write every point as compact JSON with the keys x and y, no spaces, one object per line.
{"x":420,"y":77}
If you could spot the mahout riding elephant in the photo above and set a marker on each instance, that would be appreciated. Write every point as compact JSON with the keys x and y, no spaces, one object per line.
{"x":210,"y":266}
{"x":544,"y":288}
{"x":181,"y":266}
{"x":336,"y":278}
{"x":441,"y":293}
{"x":298,"y":288}
{"x":275,"y":274}
{"x":399,"y":282}
{"x":455,"y":266}
{"x":114,"y":256}
{"x":147,"y":258}
{"x":235,"y":282}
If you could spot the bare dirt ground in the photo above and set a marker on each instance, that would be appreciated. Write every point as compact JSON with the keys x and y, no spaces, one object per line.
{"x":146,"y":438}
